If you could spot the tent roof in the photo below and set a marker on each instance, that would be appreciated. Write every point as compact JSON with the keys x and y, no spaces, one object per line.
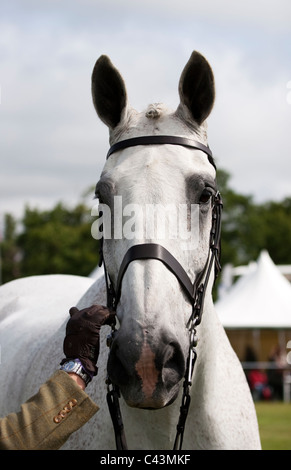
{"x":261,"y":298}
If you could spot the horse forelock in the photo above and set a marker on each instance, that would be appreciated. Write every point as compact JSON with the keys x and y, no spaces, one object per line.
{"x":157,"y":119}
{"x":155,"y":110}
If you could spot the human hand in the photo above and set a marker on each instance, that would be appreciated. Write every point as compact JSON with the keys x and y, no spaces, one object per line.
{"x":82,"y":335}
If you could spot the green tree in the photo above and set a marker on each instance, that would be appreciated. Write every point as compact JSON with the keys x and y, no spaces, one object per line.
{"x":236,"y":229}
{"x":9,"y":250}
{"x":248,"y":228}
{"x":58,"y":241}
{"x":276,"y":222}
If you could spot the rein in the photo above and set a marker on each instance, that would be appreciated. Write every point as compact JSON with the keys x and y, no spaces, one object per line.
{"x":195,"y":292}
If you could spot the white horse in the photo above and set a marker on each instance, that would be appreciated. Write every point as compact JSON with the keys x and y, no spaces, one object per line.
{"x":149,"y":350}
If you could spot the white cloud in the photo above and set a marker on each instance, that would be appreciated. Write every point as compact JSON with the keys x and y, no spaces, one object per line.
{"x":251,"y":131}
{"x":48,"y":49}
{"x":273,"y":14}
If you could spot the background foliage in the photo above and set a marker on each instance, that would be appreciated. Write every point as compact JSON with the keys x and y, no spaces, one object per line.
{"x":49,"y":242}
{"x":59,"y":240}
{"x":248,"y":227}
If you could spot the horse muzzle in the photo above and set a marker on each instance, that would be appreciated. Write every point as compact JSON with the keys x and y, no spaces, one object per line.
{"x":147,"y":369}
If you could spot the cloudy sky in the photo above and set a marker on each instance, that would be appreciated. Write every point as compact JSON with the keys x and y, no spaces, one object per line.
{"x":52,"y":146}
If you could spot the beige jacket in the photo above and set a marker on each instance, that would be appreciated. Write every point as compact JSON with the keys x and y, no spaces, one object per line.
{"x":47,"y":419}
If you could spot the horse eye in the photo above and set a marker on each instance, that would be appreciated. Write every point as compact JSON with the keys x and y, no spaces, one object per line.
{"x":205,"y":196}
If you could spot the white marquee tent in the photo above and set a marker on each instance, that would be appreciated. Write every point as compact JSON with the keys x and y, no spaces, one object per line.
{"x":261,"y":298}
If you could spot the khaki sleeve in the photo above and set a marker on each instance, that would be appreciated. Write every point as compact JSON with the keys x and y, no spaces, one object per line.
{"x":47,"y":419}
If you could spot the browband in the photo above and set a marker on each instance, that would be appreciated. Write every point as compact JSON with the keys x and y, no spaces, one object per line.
{"x":161,"y":139}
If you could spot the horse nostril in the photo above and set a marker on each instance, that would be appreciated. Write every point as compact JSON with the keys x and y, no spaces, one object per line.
{"x":115,"y":369}
{"x":173,"y":369}
{"x":119,"y":367}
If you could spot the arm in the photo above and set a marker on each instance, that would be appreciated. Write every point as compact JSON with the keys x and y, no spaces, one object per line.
{"x":61,"y":405}
{"x":77,"y":379}
{"x":48,"y":418}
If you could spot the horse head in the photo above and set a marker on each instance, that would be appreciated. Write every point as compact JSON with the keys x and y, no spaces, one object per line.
{"x":158,"y":194}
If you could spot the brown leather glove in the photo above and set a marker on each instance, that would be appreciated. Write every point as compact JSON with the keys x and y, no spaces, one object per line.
{"x":82,"y":335}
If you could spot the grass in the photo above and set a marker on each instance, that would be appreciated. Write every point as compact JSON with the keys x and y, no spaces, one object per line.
{"x":275,"y":425}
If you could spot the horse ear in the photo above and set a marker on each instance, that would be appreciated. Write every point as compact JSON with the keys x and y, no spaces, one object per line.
{"x":196,"y":88}
{"x":108,"y":92}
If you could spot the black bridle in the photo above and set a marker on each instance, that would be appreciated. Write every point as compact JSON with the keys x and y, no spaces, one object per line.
{"x":195,"y":292}
{"x":161,"y":140}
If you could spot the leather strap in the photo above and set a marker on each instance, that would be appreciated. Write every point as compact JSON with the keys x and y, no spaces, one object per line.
{"x":159,"y":140}
{"x":158,"y":252}
{"x":114,"y":409}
